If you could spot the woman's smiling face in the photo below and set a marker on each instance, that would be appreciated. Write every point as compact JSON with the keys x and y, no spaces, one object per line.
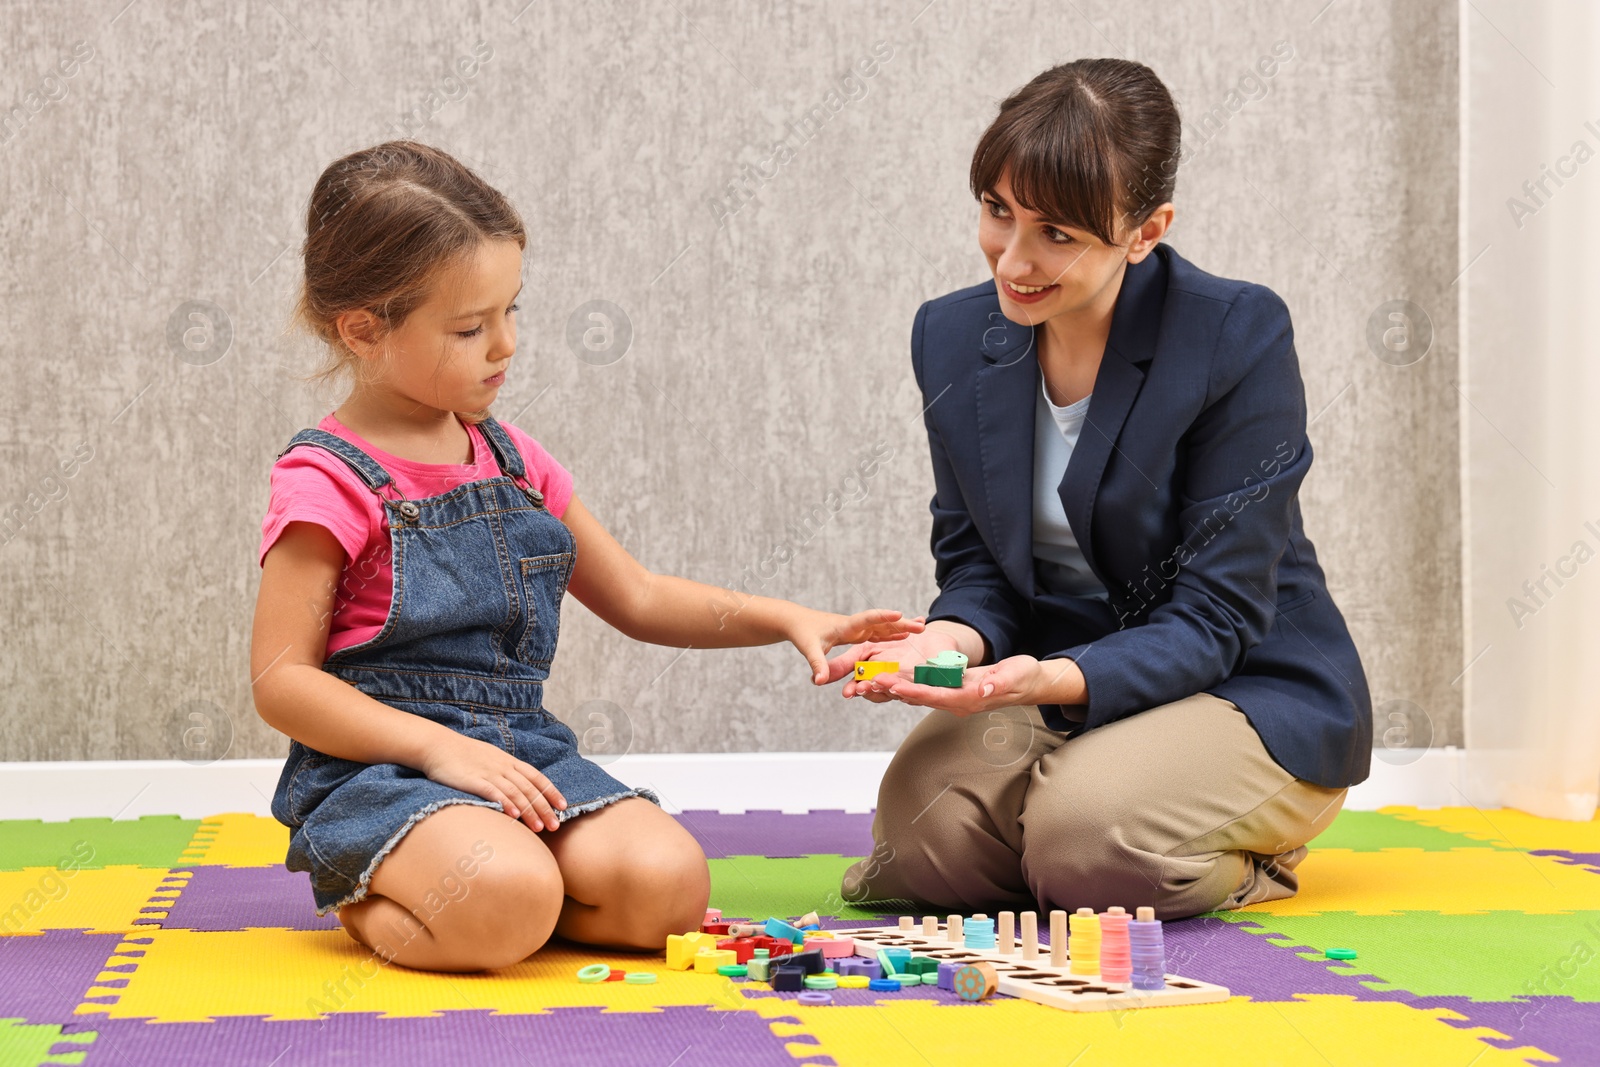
{"x":1044,"y":267}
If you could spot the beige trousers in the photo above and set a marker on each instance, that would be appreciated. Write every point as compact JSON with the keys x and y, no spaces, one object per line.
{"x":1179,"y":807}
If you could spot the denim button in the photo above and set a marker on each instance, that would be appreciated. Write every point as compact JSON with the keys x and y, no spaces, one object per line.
{"x":409,"y":510}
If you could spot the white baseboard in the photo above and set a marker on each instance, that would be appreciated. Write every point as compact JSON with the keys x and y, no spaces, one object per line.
{"x":720,"y":781}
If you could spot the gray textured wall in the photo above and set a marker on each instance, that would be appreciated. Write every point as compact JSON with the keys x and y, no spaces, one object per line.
{"x":769,"y":350}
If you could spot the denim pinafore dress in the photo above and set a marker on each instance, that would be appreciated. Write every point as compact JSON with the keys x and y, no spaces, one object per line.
{"x":479,"y":574}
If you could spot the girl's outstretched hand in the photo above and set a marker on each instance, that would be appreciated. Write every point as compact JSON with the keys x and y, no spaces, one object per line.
{"x":488,"y":771}
{"x":815,"y":632}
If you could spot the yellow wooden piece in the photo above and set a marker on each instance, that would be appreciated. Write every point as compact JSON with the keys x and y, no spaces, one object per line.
{"x":866,"y":669}
{"x":681,"y":948}
{"x":707,"y":960}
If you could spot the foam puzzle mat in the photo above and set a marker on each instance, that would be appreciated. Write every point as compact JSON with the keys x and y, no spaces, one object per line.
{"x":174,"y":941}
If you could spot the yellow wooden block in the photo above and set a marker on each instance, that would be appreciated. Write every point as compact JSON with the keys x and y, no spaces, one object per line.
{"x":681,"y":948}
{"x":871,"y":668}
{"x":707,"y":960}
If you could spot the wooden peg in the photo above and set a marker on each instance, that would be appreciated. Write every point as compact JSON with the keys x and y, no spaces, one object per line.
{"x":1005,"y":939}
{"x":1058,"y":938}
{"x":1030,"y":935}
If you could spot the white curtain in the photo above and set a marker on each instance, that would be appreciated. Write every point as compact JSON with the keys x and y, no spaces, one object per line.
{"x":1529,"y":398}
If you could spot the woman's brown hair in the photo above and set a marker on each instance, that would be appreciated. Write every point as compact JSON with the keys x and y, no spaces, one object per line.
{"x":1093,"y":144}
{"x":382,"y":225}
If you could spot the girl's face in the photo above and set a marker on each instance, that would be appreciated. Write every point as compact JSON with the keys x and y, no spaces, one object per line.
{"x":1042,"y":267}
{"x":452,"y":351}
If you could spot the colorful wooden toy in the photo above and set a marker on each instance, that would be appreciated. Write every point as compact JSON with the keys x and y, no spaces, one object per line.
{"x":681,"y":949}
{"x":944,"y":670}
{"x":832,"y":948}
{"x":707,"y":960}
{"x":866,"y":669}
{"x":975,"y":981}
{"x":1045,"y":982}
{"x":1083,"y":946}
{"x":788,"y":980}
{"x":741,"y":947}
{"x":1116,"y":951}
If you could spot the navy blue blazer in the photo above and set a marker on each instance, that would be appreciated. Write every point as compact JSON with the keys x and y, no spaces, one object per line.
{"x":1182,"y":493}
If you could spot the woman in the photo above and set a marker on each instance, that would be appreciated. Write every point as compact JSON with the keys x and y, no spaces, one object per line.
{"x":1162,"y":704}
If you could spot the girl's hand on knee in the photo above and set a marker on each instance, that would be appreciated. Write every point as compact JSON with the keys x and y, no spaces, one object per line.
{"x":815,"y":632}
{"x":1012,"y":681}
{"x":485,"y":770}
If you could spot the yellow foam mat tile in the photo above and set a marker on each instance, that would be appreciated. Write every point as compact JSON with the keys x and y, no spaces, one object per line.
{"x":199,"y":976}
{"x":1332,"y":1030}
{"x":99,"y":900}
{"x":1466,"y":881}
{"x":1505,"y":827}
{"x":238,"y":839}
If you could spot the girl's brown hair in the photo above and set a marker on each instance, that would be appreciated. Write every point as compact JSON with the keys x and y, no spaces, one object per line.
{"x":382,"y":225}
{"x":1093,"y":144}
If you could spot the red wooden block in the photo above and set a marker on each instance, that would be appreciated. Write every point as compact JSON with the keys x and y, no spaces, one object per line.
{"x":775,"y":946}
{"x":718,"y":928}
{"x":743,"y":948}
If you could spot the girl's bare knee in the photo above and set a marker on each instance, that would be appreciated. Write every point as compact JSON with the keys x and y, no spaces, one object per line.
{"x":505,"y":916}
{"x":668,"y":887}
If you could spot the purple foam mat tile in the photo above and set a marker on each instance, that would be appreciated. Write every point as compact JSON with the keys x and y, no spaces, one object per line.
{"x":43,"y":977}
{"x":1226,"y":953}
{"x":237,"y":898}
{"x":582,"y":1037}
{"x":1574,"y":859}
{"x":1557,"y":1025}
{"x":779,"y":836}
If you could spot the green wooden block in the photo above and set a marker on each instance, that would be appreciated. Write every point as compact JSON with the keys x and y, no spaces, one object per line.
{"x":944,"y":677}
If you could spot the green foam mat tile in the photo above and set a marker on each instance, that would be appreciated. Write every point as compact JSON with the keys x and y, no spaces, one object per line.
{"x":149,"y":841}
{"x":24,"y":1045}
{"x":1370,"y":831}
{"x":759,"y":887}
{"x":1497,"y":956}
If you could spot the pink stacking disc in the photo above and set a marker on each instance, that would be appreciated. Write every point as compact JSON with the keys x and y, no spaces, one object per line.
{"x":1116,"y":959}
{"x":832,"y":947}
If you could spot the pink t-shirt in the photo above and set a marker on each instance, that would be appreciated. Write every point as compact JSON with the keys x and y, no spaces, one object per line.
{"x":311,"y":484}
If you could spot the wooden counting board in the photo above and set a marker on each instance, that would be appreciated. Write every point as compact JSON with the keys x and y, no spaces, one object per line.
{"x":1036,"y":979}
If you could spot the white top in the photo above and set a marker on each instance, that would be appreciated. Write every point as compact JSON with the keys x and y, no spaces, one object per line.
{"x":1058,"y":562}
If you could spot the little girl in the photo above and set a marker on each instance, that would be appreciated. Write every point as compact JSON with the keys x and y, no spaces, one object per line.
{"x":414,"y":556}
